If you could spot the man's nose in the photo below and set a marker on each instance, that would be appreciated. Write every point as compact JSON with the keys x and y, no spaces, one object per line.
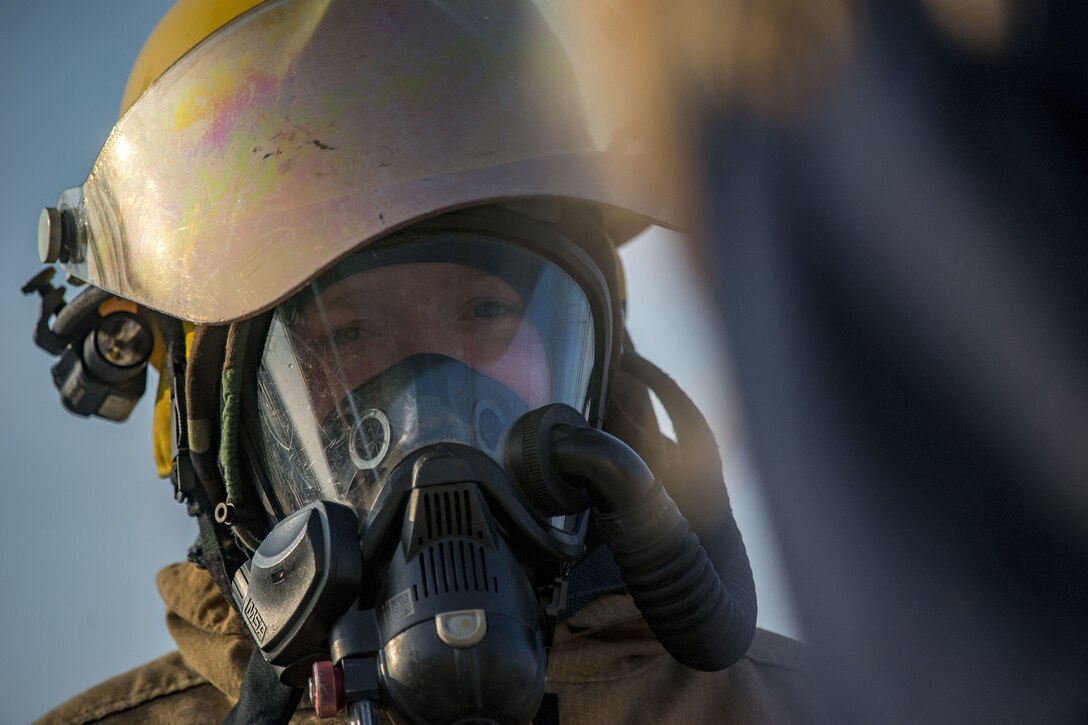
{"x":430,"y":336}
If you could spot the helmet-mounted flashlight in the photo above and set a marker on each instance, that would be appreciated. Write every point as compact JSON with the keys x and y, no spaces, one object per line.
{"x":120,"y":344}
{"x":103,"y":358}
{"x":110,"y":375}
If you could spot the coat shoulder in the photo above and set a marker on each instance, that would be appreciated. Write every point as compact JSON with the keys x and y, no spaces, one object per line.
{"x":164,"y":690}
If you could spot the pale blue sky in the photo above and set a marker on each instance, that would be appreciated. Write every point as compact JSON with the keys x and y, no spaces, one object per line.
{"x":84,"y":522}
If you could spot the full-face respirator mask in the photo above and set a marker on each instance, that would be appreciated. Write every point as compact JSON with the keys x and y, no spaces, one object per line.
{"x":420,"y":434}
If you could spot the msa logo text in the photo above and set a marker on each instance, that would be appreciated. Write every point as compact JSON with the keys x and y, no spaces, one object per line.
{"x":256,"y":622}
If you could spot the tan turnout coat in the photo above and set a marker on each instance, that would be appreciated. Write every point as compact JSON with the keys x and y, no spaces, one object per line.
{"x":606,"y":667}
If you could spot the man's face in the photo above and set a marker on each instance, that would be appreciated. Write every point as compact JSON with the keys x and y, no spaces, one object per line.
{"x":365,"y":323}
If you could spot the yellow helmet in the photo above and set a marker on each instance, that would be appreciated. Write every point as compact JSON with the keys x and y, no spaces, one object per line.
{"x":300,"y":130}
{"x":261,"y":142}
{"x":186,"y":24}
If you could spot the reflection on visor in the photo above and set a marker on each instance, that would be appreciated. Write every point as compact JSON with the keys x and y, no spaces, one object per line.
{"x":448,"y":338}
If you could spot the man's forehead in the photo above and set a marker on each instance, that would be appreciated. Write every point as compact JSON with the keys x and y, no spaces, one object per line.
{"x":408,"y":271}
{"x":413,"y":278}
{"x":405,"y":284}
{"x":420,"y":260}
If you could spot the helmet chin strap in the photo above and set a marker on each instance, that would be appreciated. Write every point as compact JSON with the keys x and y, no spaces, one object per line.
{"x":262,"y":698}
{"x":194,"y":423}
{"x":197,"y":483}
{"x":244,"y":520}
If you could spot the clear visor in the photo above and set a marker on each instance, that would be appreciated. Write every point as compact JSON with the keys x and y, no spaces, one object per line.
{"x":448,"y":338}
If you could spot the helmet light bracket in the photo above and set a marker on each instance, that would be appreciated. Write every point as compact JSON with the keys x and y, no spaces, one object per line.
{"x":102,"y":369}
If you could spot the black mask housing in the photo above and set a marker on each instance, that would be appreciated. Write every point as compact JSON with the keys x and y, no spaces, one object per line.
{"x":385,"y":398}
{"x":452,"y":609}
{"x":455,"y":574}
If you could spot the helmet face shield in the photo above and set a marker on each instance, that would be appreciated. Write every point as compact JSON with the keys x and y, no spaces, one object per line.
{"x":448,"y":337}
{"x":305,"y":128}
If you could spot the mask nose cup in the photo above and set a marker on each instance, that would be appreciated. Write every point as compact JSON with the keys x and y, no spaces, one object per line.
{"x":489,"y":424}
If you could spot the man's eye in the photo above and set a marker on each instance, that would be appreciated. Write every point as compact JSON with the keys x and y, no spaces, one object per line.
{"x":345,"y":335}
{"x":492,"y":308}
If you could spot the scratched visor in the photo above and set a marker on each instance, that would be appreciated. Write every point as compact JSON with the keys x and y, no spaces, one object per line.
{"x":446,"y":337}
{"x":305,"y":129}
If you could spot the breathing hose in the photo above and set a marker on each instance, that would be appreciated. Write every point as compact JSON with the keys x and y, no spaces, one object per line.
{"x":702,"y":611}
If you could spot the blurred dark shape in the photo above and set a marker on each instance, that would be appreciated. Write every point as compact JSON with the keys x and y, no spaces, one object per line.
{"x":902,"y":268}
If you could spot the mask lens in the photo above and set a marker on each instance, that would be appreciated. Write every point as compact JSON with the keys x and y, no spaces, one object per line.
{"x":446,"y":338}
